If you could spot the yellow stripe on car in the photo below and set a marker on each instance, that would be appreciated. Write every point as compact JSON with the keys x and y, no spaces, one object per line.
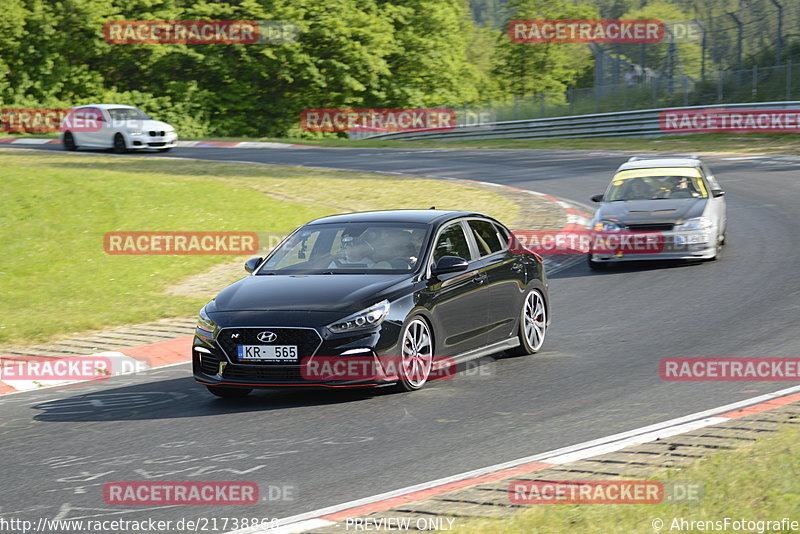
{"x":689,"y":172}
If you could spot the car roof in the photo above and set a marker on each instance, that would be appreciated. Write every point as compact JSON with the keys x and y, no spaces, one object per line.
{"x":651,"y":163}
{"x":105,"y":106}
{"x":431,"y":216}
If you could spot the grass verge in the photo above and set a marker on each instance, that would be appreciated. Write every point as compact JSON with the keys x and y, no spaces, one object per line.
{"x":744,"y":143}
{"x":56,"y":208}
{"x":757,"y":143}
{"x":757,"y":482}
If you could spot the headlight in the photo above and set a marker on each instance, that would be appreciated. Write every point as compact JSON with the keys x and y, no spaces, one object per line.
{"x":136,"y":133}
{"x":372,"y":316}
{"x":606,"y":226}
{"x":696,"y":223}
{"x":205,"y":323}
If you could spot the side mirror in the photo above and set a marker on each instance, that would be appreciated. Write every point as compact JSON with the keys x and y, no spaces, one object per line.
{"x":251,"y":264}
{"x":450,"y":264}
{"x":597,"y":198}
{"x":718,"y":192}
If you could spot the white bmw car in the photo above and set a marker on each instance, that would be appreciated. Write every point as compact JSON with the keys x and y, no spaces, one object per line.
{"x":114,"y":126}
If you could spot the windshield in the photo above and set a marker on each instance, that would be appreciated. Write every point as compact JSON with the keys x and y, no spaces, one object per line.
{"x":349,"y":248}
{"x":127,"y":114}
{"x":657,"y":187}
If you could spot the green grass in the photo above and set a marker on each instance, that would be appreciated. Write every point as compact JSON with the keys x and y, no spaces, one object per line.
{"x":758,"y":482}
{"x":756,"y":143}
{"x":56,"y":208}
{"x":779,"y":143}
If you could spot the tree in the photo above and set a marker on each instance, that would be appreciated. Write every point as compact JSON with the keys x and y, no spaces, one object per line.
{"x":530,"y":69}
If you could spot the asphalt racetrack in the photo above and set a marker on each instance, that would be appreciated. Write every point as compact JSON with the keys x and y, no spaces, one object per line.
{"x":597,"y":374}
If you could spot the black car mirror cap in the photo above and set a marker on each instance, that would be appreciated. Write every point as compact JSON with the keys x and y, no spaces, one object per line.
{"x":597,"y":198}
{"x":450,"y":264}
{"x":718,"y":192}
{"x":252,"y":264}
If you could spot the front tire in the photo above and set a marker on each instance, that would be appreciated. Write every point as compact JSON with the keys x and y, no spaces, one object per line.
{"x":416,"y":355}
{"x":595,"y":265}
{"x":69,"y":142}
{"x":119,"y":144}
{"x":229,"y":393}
{"x":532,"y":324}
{"x":720,"y":244}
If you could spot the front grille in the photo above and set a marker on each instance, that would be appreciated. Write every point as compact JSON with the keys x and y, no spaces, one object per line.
{"x":650,"y":227}
{"x":306,"y":339}
{"x":154,"y":133}
{"x":262,"y":372}
{"x":157,"y":144}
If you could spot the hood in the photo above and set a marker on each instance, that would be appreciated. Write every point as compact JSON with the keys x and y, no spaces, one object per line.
{"x":652,"y":211}
{"x":318,"y":292}
{"x":146,"y":125}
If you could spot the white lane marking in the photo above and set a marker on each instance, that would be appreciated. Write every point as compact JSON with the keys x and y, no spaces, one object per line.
{"x":24,"y":141}
{"x":635,"y":440}
{"x":581,"y":450}
{"x":301,"y":526}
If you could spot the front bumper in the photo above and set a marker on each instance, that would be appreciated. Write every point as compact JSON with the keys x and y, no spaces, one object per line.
{"x":675,"y":245}
{"x":325,"y":360}
{"x":168,"y":140}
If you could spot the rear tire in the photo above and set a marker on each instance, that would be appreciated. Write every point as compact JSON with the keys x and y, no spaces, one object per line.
{"x":69,"y":142}
{"x":532,"y":324}
{"x":229,"y":393}
{"x":119,"y":144}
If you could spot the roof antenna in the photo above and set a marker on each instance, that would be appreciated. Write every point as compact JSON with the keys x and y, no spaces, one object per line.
{"x":432,"y":208}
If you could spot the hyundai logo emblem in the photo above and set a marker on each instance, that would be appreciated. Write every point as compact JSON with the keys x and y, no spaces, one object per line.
{"x":267,"y":337}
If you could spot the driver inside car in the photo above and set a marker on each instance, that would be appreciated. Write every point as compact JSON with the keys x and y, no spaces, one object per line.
{"x":683,"y":188}
{"x":357,"y":252}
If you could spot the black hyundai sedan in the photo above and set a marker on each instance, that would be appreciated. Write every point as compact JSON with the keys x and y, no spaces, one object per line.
{"x":369,"y":299}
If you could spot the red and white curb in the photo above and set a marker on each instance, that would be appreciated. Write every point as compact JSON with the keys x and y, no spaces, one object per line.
{"x":379,"y":503}
{"x":183,"y":144}
{"x":123,"y":362}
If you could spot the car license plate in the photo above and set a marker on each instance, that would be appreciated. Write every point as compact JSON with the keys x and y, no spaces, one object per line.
{"x":267,"y":353}
{"x":690,"y":239}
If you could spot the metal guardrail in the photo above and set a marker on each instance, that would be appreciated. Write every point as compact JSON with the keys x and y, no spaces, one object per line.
{"x":618,"y":124}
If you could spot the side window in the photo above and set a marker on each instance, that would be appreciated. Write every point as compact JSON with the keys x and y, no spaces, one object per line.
{"x":486,"y":236}
{"x":452,"y":242}
{"x":93,"y":114}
